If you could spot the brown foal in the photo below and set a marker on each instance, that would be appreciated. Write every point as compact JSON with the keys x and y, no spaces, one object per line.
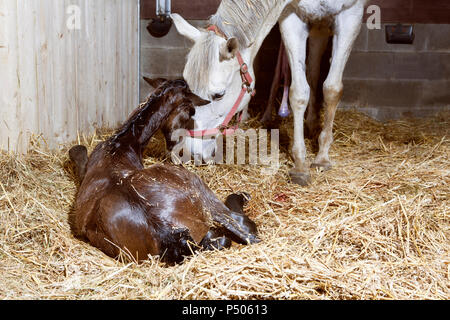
{"x":162,"y":210}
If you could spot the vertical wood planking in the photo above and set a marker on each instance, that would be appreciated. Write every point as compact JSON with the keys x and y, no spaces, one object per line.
{"x":107,"y":70}
{"x":26,"y":114}
{"x":70,"y":87}
{"x":87,"y":53}
{"x":9,"y":81}
{"x":58,"y":82}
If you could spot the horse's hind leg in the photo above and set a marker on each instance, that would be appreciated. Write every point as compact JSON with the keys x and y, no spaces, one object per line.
{"x":347,"y":26}
{"x":267,"y":117}
{"x":317,"y":41}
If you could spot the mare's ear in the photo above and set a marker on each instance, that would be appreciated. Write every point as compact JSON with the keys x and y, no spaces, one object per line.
{"x":196,"y":100}
{"x":184,"y":28}
{"x":229,"y":49}
{"x":155,"y":83}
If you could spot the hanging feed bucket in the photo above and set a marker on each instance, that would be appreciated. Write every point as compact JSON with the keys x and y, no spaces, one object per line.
{"x":160,"y":26}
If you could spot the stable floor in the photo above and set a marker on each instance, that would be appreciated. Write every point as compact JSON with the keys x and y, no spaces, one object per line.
{"x":376,"y":226}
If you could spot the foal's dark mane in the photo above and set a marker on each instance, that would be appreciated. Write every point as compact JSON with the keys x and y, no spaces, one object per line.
{"x":147,"y":118}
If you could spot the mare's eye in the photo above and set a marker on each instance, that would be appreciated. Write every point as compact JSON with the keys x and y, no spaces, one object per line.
{"x":218,"y":96}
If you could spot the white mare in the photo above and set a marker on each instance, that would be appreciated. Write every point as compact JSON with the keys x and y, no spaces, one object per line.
{"x":213,"y":73}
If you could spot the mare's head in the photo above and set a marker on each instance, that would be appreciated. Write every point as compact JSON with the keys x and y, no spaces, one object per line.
{"x":181,"y":116}
{"x":211,"y":61}
{"x":212,"y":71}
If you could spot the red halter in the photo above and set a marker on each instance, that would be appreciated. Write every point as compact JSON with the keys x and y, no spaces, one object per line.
{"x":247,"y":80}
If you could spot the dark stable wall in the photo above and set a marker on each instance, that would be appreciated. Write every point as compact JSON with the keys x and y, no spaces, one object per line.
{"x":383,"y":80}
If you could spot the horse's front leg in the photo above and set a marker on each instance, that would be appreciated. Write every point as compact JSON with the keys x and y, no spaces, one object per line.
{"x":347,"y":27}
{"x":295,"y":34}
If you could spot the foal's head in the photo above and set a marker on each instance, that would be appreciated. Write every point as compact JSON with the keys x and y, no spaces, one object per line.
{"x":181,"y":117}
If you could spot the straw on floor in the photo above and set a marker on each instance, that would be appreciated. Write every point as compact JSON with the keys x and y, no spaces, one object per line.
{"x":376,"y":226}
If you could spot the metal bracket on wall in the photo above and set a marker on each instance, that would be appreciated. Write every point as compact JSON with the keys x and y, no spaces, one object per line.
{"x":160,"y":26}
{"x":400,"y":34}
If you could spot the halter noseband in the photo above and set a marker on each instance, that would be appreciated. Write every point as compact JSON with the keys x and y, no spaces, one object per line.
{"x":247,"y":80}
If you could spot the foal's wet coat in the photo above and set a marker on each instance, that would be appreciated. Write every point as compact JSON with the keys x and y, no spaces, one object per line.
{"x":162,"y":210}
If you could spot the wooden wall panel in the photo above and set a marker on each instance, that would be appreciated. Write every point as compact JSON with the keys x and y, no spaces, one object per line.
{"x":59,"y":82}
{"x":9,"y":98}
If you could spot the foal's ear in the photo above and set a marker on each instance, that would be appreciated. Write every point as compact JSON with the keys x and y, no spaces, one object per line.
{"x":196,"y":100}
{"x":155,"y":83}
{"x":229,"y":49}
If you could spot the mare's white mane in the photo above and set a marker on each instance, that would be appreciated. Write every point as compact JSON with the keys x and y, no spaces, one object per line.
{"x":241,"y":19}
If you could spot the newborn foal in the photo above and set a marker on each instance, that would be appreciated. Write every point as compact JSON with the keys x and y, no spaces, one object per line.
{"x":162,"y":210}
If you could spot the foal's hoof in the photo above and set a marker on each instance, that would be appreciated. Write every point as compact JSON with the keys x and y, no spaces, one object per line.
{"x":246,"y":196}
{"x":300,"y":178}
{"x":253,"y":239}
{"x":212,"y":241}
{"x":324,"y":165}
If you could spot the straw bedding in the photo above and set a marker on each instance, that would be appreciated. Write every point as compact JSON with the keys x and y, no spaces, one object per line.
{"x":376,"y":226}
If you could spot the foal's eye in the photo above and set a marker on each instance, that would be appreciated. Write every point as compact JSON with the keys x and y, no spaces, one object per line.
{"x":218,"y":96}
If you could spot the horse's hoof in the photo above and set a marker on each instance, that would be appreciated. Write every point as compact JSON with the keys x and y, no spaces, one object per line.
{"x":300,"y":178}
{"x":266,"y":121}
{"x":324,"y":165}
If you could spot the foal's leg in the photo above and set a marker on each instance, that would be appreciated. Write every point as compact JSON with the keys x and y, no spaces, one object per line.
{"x":78,"y":155}
{"x":347,"y":26}
{"x":236,"y":202}
{"x":295,"y":34}
{"x":216,"y":239}
{"x":236,"y":220}
{"x":220,"y":238}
